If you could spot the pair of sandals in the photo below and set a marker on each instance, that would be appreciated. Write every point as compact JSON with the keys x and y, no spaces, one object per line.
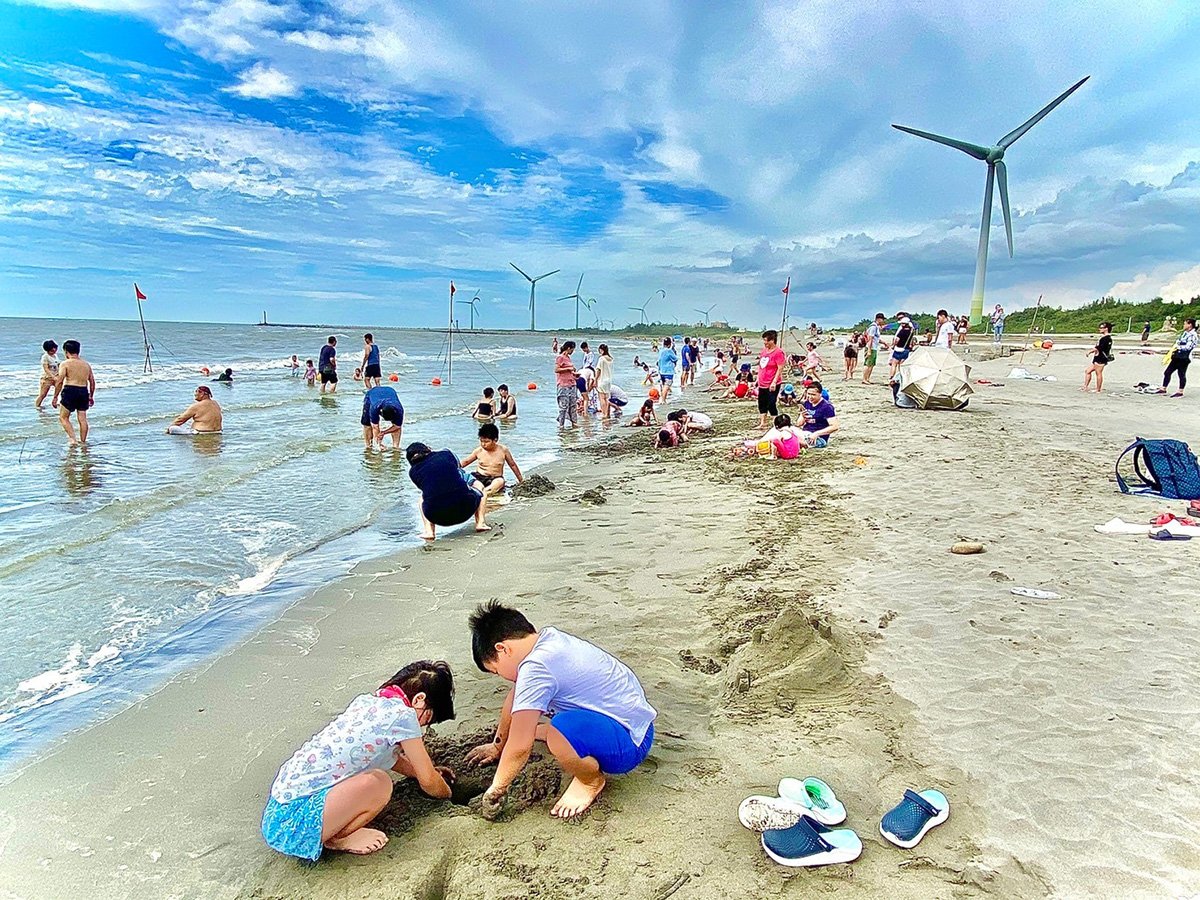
{"x":796,"y":826}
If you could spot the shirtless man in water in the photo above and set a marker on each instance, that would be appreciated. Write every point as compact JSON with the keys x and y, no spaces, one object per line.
{"x":202,"y":417}
{"x":490,"y":458}
{"x":76,"y":386}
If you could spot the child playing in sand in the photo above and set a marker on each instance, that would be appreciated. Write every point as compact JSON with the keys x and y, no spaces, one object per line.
{"x":600,"y":721}
{"x":812,"y":362}
{"x":645,"y":415}
{"x":310,"y":373}
{"x":672,"y":434}
{"x":490,"y":458}
{"x":786,"y":439}
{"x":739,"y":390}
{"x":334,"y":785}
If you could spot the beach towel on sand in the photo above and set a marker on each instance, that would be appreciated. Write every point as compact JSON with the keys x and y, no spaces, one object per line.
{"x":1163,"y":468}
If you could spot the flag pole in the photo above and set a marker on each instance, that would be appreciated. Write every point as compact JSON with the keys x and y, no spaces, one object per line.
{"x":1029,"y":333}
{"x":450,"y":340}
{"x":147,"y":366}
{"x":787,"y":292}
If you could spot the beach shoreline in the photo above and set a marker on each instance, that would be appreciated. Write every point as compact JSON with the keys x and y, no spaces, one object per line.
{"x":768,"y":623}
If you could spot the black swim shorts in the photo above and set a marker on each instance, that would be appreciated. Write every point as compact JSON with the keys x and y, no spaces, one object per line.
{"x":74,"y":398}
{"x":455,"y":512}
{"x":329,"y":375}
{"x":372,"y":371}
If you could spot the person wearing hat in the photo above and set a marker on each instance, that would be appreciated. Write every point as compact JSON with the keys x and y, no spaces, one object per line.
{"x":787,"y":395}
{"x":874,"y":336}
{"x":905,"y":338}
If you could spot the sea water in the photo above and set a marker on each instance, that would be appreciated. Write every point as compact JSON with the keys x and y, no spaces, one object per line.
{"x":142,"y":554}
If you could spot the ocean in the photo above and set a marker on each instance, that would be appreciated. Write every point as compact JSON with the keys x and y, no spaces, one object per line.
{"x":141,"y":555}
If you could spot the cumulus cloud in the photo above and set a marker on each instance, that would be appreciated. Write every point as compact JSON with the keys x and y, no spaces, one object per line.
{"x":262,"y":82}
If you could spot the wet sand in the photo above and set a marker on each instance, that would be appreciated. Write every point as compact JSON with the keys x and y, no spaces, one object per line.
{"x":787,"y":619}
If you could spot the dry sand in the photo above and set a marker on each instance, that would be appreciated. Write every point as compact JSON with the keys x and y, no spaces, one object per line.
{"x":785,"y":618}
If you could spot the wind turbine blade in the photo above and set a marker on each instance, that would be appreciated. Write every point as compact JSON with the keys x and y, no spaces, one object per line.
{"x":568,"y":297}
{"x":1002,"y":178}
{"x":1011,"y":138}
{"x":547,"y":275}
{"x":970,"y":149}
{"x":578,"y":286}
{"x":518,"y":268}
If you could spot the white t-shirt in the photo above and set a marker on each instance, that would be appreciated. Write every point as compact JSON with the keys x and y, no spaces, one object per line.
{"x":874,"y":333}
{"x":701,"y":419}
{"x":564,"y":672}
{"x":50,"y":363}
{"x":945,"y":335}
{"x":363,"y":737}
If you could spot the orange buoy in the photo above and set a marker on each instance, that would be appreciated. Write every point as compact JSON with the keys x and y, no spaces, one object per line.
{"x":653,"y":393}
{"x":436,"y":382}
{"x":393,"y":377}
{"x":1046,"y":345}
{"x":532,"y":386}
{"x":204,"y":370}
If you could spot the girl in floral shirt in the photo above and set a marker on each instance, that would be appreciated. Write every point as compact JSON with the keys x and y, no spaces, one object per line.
{"x":324,"y":796}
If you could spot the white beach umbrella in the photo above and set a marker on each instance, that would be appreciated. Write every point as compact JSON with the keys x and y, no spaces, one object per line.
{"x":934,"y":378}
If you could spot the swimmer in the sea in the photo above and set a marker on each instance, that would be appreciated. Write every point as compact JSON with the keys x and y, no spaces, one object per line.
{"x":507,"y":405}
{"x":202,"y":417}
{"x":490,"y":458}
{"x":485,"y":409}
{"x":76,"y":388}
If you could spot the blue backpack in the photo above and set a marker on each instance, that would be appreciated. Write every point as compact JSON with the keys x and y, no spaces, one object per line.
{"x":1166,"y":469}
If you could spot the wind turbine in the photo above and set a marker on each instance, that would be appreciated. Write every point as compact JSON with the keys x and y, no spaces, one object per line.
{"x":532,"y":285}
{"x":578,"y":300}
{"x":471,"y":303}
{"x":641,"y":311}
{"x":994,"y":157}
{"x":706,"y":313}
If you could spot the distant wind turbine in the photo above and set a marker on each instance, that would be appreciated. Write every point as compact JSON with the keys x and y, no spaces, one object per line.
{"x":994,"y":157}
{"x":471,"y":303}
{"x":579,"y":301}
{"x":706,"y":313}
{"x":532,"y":300}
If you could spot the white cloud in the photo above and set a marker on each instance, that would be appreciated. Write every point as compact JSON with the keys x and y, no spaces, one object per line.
{"x":262,"y":82}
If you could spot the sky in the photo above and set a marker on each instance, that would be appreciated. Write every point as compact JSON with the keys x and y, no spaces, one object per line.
{"x":341,"y":161}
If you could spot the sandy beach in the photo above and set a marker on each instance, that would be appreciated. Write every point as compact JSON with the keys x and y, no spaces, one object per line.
{"x":786,"y":619}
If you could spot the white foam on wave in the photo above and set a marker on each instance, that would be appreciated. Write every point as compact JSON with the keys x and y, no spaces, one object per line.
{"x":68,"y":680}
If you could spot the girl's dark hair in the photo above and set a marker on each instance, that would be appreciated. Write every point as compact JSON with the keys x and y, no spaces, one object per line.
{"x":1107,"y":325}
{"x":783,"y":420}
{"x":490,"y":624}
{"x":665,"y":437}
{"x":431,"y":678}
{"x":567,"y":347}
{"x":1193,"y":321}
{"x":604,"y":349}
{"x":648,"y":403}
{"x":49,"y":345}
{"x":677,"y":415}
{"x":416,"y":452}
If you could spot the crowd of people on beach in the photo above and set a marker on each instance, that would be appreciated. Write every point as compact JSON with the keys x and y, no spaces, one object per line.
{"x":326,"y":795}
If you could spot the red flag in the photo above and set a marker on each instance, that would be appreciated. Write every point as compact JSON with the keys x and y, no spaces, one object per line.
{"x":138,"y":291}
{"x":787,"y":287}
{"x":452,"y":289}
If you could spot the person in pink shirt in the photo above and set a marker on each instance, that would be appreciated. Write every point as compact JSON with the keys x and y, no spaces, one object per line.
{"x":771,"y":363}
{"x":564,"y":378}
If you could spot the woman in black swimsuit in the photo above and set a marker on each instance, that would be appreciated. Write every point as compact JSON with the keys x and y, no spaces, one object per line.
{"x":1102,"y":355}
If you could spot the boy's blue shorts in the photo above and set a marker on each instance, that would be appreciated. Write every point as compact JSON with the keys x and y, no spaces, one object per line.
{"x":603,"y":738}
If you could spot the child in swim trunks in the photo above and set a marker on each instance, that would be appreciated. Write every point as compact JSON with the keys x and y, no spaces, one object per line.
{"x":645,"y":415}
{"x":600,"y":723}
{"x":490,"y":458}
{"x":333,"y":786}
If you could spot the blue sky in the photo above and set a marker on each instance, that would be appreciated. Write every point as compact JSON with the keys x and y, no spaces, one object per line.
{"x":341,"y":160}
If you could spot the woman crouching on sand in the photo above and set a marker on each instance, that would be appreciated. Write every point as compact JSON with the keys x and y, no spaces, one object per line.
{"x":333,"y":786}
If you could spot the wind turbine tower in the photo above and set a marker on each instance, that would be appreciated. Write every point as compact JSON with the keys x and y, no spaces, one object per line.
{"x":471,"y":303}
{"x":706,"y":313}
{"x":994,"y":157}
{"x":578,"y":301}
{"x":532,"y":300}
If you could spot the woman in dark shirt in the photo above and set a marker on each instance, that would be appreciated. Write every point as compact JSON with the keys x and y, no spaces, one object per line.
{"x":1102,"y":355}
{"x":446,"y":499}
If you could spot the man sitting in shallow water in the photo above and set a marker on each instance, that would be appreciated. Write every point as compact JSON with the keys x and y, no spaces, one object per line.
{"x":202,"y":417}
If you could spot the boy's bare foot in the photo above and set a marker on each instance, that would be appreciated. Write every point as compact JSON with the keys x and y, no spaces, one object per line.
{"x":482,"y":528}
{"x":360,"y":843}
{"x":579,"y":797}
{"x":427,"y":537}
